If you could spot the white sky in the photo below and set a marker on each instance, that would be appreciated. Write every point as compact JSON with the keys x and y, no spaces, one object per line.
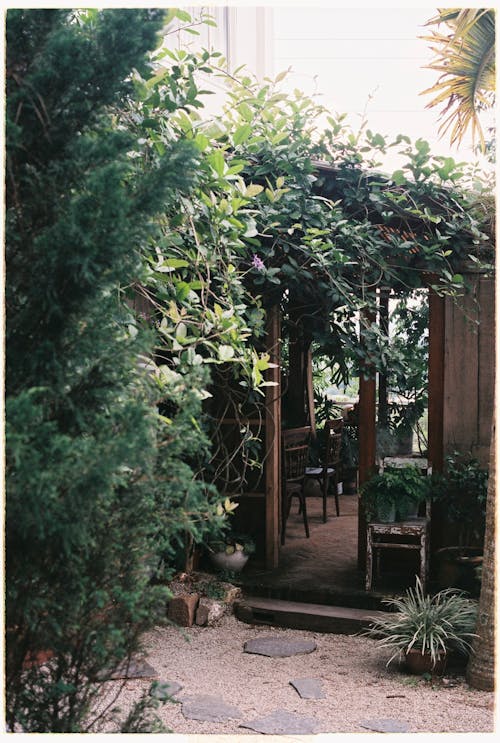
{"x":362,"y":60}
{"x":365,"y":60}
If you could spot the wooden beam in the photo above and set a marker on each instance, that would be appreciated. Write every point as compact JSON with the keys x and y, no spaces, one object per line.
{"x":272,"y":439}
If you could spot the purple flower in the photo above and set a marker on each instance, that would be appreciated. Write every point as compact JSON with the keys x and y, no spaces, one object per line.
{"x":258,"y":263}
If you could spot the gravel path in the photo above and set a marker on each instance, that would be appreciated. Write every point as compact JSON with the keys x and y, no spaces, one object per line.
{"x":358,"y":686}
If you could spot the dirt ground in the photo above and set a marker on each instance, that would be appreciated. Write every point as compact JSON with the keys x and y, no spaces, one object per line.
{"x":357,"y":683}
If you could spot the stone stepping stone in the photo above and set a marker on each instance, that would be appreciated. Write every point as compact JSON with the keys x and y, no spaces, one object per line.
{"x":165,"y":689}
{"x":309,"y":688}
{"x":208,"y":709}
{"x":278,"y":647}
{"x":386,"y":725}
{"x":134,"y":669}
{"x":282,"y":722}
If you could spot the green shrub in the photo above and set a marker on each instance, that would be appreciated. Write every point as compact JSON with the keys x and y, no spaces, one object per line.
{"x":86,"y":497}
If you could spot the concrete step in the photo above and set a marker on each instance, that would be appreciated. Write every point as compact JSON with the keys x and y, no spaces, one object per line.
{"x":341,"y":620}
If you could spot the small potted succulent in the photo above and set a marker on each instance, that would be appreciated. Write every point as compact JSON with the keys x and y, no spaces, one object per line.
{"x":424,"y":630}
{"x":394,"y":494}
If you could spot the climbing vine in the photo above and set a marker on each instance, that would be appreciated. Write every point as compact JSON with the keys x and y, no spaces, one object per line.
{"x":283,"y":211}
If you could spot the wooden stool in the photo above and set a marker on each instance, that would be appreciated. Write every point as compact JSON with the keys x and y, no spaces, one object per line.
{"x":412,"y":534}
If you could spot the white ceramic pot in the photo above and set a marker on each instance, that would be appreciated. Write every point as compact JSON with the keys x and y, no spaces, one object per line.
{"x":235,"y":562}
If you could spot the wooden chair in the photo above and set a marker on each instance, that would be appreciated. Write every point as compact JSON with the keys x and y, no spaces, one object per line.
{"x":411,"y":534}
{"x":331,"y":463}
{"x":295,"y":453}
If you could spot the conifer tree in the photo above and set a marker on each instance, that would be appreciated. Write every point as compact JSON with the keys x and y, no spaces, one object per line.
{"x":81,"y":420}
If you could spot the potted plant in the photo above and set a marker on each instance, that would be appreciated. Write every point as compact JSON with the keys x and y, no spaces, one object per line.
{"x":228,"y":550}
{"x":231,"y":552}
{"x":394,"y":494}
{"x":461,"y":495}
{"x":424,"y":630}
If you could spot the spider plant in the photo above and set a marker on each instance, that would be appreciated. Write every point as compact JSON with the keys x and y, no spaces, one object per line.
{"x":433,"y":625}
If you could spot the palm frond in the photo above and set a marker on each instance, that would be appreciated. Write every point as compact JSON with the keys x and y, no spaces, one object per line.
{"x":465,"y":59}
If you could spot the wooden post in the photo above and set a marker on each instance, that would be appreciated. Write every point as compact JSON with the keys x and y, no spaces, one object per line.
{"x":383,"y":408}
{"x":295,"y":392}
{"x":436,"y":402}
{"x":273,"y":440}
{"x":310,"y":391}
{"x":367,"y":441}
{"x":436,"y":380}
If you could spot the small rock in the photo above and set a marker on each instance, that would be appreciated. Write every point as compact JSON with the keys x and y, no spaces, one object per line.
{"x":165,"y":689}
{"x":278,"y":647}
{"x":209,"y":612}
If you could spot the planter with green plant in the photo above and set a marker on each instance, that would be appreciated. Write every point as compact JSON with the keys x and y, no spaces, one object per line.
{"x":425,"y":630}
{"x":231,"y":553}
{"x":460,"y":494}
{"x":395,"y":494}
{"x":228,"y":550}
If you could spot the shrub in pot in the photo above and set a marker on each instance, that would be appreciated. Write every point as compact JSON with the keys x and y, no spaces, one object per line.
{"x":460,"y":493}
{"x":424,"y":630}
{"x":394,"y":494}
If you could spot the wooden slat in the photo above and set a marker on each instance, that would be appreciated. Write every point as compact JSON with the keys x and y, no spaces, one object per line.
{"x":304,"y":616}
{"x":396,"y":546}
{"x":244,"y":496}
{"x":242,"y":421}
{"x":461,"y":371}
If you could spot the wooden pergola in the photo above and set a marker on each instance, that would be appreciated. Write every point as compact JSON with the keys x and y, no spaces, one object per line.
{"x":460,"y":403}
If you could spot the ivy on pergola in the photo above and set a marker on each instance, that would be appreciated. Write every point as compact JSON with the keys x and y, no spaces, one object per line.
{"x":284,"y":212}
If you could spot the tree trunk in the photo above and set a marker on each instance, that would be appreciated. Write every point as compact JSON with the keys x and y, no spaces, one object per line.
{"x":481,"y":667}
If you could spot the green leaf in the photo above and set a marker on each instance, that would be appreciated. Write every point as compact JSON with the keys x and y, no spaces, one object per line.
{"x":242,"y":133}
{"x":225,"y":353}
{"x":253,"y":189}
{"x":216,"y":160}
{"x":399,"y":177}
{"x":245,"y":111}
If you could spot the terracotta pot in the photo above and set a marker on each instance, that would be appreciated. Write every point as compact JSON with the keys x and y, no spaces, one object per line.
{"x":37,"y":658}
{"x":456,"y":568}
{"x":419,"y":663}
